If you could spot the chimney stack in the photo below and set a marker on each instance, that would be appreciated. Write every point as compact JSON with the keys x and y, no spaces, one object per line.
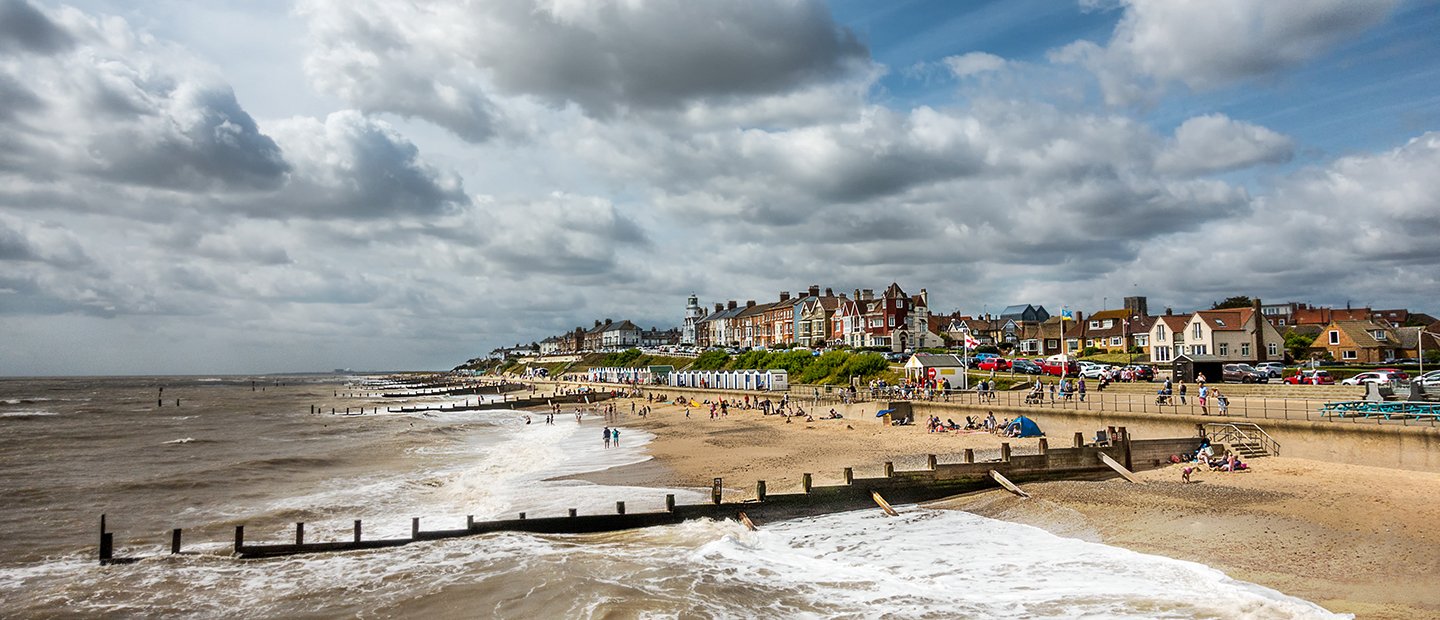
{"x":608,"y":321}
{"x":857,"y":295}
{"x":750,"y":304}
{"x":784,"y":295}
{"x":814,"y":290}
{"x":719,"y":306}
{"x":829,"y":292}
{"x":730,"y":305}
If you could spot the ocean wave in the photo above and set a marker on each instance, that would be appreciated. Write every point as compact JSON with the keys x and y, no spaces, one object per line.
{"x":28,"y":414}
{"x":182,"y":440}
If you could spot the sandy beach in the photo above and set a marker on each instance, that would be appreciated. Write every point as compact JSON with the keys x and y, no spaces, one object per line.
{"x":1355,"y":539}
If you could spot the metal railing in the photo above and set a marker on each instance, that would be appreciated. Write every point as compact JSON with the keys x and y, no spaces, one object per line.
{"x":1242,"y":432}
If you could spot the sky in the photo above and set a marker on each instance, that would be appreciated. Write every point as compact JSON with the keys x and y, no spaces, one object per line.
{"x":269,"y":186}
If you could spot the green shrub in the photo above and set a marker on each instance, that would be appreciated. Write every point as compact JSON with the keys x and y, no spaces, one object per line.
{"x":714,"y":359}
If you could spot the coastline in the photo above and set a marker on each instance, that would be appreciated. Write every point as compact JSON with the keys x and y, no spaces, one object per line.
{"x":1353,"y":539}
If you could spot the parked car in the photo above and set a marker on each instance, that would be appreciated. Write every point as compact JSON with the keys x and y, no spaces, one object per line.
{"x":1430,"y":379}
{"x":1093,"y":371}
{"x":1244,"y":373}
{"x":1142,"y":373}
{"x":993,"y":363}
{"x":1311,"y":377}
{"x":1395,"y":373}
{"x":1025,"y":366}
{"x":1373,"y":376}
{"x":1055,"y":366}
{"x":1274,"y":369}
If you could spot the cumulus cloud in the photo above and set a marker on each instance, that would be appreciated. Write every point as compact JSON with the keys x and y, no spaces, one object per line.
{"x":1206,"y":45}
{"x":1215,"y":142}
{"x":448,"y":62}
{"x":974,"y":63}
{"x":94,"y":97}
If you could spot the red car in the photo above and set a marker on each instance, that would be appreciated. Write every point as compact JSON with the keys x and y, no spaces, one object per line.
{"x":994,"y":363}
{"x":1058,"y":369}
{"x":1311,"y":377}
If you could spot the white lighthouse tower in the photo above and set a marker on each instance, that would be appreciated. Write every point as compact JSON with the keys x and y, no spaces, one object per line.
{"x":693,"y":314}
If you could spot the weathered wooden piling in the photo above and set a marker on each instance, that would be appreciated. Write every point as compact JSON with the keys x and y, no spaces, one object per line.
{"x":522,"y":516}
{"x":760,"y":490}
{"x":415,"y":527}
{"x":239,"y":538}
{"x":1005,"y":452}
{"x":1044,"y":446}
{"x":574,"y":512}
{"x":669,"y":502}
{"x":969,"y":455}
{"x":930,"y":462}
{"x":1079,"y":439}
{"x":175,"y":541}
{"x":619,"y":508}
{"x":300,"y":533}
{"x":849,"y":475}
{"x":805,"y":482}
{"x":357,"y":530}
{"x":715,"y":492}
{"x":889,"y":469}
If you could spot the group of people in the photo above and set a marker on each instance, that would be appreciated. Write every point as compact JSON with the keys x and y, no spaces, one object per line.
{"x":1167,"y":393}
{"x":1205,"y":459}
{"x":1065,"y":389}
{"x":612,"y":437}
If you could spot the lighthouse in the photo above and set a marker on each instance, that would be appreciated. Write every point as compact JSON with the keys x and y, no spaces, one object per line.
{"x":693,"y":314}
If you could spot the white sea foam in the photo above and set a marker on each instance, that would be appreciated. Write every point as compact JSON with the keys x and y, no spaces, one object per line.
{"x":181,"y":440}
{"x":34,"y":413}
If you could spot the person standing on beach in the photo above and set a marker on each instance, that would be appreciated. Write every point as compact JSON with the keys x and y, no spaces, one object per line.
{"x":1204,"y":392}
{"x":615,"y":437}
{"x":607,"y":437}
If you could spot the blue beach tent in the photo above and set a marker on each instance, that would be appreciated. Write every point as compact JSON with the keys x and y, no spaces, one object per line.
{"x":1027,"y":427}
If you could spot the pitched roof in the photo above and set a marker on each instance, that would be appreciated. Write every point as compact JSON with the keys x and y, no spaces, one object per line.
{"x":1361,"y":333}
{"x":1227,"y":320}
{"x":622,"y":325}
{"x":1175,"y":322}
{"x":942,"y":360}
{"x":1015,"y":310}
{"x":1114,"y":315}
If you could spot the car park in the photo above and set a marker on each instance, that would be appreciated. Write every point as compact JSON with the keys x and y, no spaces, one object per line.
{"x":1244,"y":373}
{"x":1273,"y":369}
{"x":1140,"y":372}
{"x":1311,"y":377}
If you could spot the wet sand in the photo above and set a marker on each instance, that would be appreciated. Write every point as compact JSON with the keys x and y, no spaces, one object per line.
{"x":1354,"y":539}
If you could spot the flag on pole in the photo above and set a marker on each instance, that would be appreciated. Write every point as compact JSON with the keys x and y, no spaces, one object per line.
{"x":1066,"y":315}
{"x":971,"y":342}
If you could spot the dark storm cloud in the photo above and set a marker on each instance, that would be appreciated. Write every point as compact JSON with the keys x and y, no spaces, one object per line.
{"x":23,"y":28}
{"x":446,"y":62}
{"x":218,"y":145}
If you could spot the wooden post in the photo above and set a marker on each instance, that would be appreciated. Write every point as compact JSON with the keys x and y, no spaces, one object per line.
{"x":107,"y":547}
{"x":805,"y":482}
{"x":969,"y":455}
{"x":175,"y":541}
{"x":849,"y":475}
{"x":1125,"y":440}
{"x":522,"y":516}
{"x":239,"y":538}
{"x":760,"y":490}
{"x":930,"y":461}
{"x":715,"y":492}
{"x":469,"y":522}
{"x":1079,"y":439}
{"x":573,"y":512}
{"x":357,"y":530}
{"x":300,"y":533}
{"x":889,"y":469}
{"x":414,"y":527}
{"x":669,"y":502}
{"x":1044,"y":446}
{"x":619,"y":508}
{"x":1005,"y":452}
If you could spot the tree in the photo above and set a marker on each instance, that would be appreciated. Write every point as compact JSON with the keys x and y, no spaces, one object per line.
{"x":1238,"y":301}
{"x":1297,"y":343}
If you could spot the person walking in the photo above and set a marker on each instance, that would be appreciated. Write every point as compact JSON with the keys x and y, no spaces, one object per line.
{"x":1081,"y":389}
{"x":1182,"y":391}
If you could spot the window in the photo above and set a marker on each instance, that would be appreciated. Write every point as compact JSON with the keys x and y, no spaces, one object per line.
{"x":1220,"y":322}
{"x":1282,"y":322}
{"x":1334,"y":337}
{"x":1142,"y":340}
{"x":1114,"y":341}
{"x":1072,"y":344}
{"x":1160,"y":335}
{"x":1244,"y":349}
{"x":1162,"y":354}
{"x":892,"y":321}
{"x":1349,"y":355}
{"x":1224,"y":349}
{"x":1089,"y":342}
{"x":1378,"y":335}
{"x":1197,"y":349}
{"x":1197,"y":330}
{"x":1094,"y":324}
{"x":1272,"y":349}
{"x":1109,"y":323}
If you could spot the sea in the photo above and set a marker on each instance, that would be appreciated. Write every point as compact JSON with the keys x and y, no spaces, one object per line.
{"x":250,"y":450}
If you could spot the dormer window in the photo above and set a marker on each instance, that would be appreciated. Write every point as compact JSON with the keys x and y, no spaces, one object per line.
{"x":1094,"y":324}
{"x":1220,"y":322}
{"x":1378,"y":335}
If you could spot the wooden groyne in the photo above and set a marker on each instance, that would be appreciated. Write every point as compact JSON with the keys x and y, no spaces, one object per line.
{"x":461,"y":390}
{"x":508,"y":403}
{"x":935,"y":481}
